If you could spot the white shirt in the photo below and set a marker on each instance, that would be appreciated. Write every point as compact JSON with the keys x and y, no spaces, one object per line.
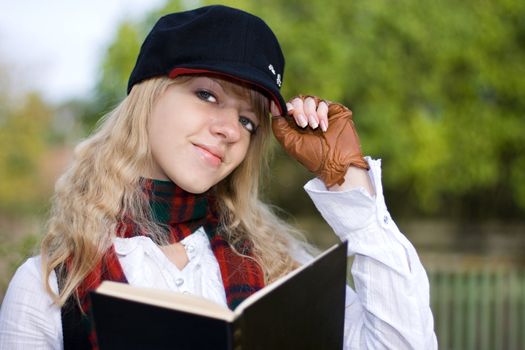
{"x":389,"y":309}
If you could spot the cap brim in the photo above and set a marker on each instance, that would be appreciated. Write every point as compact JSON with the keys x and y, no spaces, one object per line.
{"x":245,"y":74}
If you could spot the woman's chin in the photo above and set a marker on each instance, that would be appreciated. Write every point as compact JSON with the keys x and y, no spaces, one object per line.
{"x":195,"y":188}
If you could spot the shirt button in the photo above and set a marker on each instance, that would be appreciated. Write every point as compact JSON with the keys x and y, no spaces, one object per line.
{"x":179,"y":282}
{"x":385,"y":219}
{"x":190,"y":248}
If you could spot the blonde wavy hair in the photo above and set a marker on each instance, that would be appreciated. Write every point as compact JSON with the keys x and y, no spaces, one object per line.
{"x":103,"y":184}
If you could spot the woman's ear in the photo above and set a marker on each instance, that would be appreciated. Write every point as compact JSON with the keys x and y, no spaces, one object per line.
{"x":274,"y":109}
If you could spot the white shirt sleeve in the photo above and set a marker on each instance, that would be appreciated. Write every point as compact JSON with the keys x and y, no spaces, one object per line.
{"x":28,"y":318}
{"x":390,"y":307}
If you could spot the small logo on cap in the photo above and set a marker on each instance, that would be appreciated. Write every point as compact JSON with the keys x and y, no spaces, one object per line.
{"x":278,"y":79}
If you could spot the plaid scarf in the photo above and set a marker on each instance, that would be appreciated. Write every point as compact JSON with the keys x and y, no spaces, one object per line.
{"x":182,"y":213}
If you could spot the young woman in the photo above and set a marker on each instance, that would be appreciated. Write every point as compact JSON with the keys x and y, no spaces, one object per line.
{"x":165,"y":195}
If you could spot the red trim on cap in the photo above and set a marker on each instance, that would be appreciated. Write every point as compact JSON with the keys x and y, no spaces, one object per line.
{"x":181,"y":70}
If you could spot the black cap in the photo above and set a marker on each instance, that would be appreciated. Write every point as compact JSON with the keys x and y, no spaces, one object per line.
{"x":213,"y":39}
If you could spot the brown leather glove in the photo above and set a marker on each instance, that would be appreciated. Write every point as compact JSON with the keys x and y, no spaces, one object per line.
{"x":327,"y":154}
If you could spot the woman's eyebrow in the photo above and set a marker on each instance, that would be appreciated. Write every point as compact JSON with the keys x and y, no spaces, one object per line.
{"x":216,"y":82}
{"x":247,"y":106}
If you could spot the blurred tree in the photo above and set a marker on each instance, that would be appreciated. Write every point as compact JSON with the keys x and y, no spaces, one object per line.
{"x":31,"y":154}
{"x":436,"y":89}
{"x":24,"y":129}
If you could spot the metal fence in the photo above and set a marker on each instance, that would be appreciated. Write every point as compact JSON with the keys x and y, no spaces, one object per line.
{"x":478,"y":306}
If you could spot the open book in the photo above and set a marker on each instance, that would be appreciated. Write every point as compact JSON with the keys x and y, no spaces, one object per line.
{"x":302,"y":310}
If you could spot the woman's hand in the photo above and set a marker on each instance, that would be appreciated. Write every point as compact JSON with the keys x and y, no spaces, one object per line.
{"x":321,"y":136}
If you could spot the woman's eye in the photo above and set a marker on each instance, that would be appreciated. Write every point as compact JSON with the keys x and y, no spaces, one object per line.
{"x":248,"y":124}
{"x":206,"y":96}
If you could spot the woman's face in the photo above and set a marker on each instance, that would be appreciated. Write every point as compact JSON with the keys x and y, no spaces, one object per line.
{"x":199,"y":132}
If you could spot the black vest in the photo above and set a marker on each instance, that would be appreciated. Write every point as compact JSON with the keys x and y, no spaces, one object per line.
{"x":75,"y":335}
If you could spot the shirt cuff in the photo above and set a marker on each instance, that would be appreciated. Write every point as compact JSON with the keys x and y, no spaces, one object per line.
{"x":355,"y":208}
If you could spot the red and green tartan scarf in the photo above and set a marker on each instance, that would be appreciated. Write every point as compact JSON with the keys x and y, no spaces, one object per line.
{"x":182,"y":213}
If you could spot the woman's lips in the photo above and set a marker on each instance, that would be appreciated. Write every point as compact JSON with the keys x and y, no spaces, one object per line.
{"x":211,"y":155}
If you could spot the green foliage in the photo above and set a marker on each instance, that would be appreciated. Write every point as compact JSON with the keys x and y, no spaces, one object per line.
{"x":24,"y":127}
{"x":437,"y":91}
{"x":115,"y":69}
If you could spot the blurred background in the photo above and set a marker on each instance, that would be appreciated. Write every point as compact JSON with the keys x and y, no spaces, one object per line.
{"x":437,"y":90}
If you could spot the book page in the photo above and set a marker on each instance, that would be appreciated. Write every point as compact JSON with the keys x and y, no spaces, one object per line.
{"x":166,"y":299}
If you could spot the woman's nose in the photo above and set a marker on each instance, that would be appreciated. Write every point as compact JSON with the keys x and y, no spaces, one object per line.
{"x":226,"y":124}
